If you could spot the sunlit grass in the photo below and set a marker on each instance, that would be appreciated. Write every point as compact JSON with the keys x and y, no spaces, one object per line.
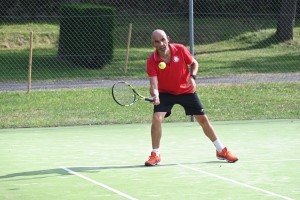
{"x":95,"y":106}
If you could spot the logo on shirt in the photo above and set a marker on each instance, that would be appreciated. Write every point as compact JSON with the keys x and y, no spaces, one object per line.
{"x":176,"y":58}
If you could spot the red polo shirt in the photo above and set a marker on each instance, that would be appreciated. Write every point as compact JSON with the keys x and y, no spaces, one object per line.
{"x":173,"y":79}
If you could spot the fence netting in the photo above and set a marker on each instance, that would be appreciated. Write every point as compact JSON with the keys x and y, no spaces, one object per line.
{"x":234,"y":41}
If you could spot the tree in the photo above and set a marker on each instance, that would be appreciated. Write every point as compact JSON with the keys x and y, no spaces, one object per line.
{"x":286,"y":20}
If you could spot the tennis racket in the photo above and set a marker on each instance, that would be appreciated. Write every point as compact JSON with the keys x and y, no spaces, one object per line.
{"x":124,"y":94}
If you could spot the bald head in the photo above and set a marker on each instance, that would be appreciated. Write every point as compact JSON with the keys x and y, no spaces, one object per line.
{"x":160,"y":41}
{"x":158,"y":33}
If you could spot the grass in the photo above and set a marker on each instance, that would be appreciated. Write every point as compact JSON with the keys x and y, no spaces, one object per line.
{"x":93,"y":106}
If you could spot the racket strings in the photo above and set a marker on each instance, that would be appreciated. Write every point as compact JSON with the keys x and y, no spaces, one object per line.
{"x":123,"y":94}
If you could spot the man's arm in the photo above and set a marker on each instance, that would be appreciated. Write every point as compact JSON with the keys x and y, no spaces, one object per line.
{"x":194,"y":67}
{"x":154,"y":90}
{"x":193,"y":71}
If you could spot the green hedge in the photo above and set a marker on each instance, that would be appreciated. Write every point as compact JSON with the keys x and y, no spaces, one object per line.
{"x":87,"y":34}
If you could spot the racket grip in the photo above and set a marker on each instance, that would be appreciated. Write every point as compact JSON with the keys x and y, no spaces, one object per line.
{"x":149,"y":99}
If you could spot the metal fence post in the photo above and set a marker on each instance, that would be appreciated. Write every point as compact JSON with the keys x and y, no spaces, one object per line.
{"x":191,"y":31}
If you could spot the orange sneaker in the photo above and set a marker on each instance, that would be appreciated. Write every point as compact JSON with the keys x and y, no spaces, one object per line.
{"x":226,"y":155}
{"x":153,"y":160}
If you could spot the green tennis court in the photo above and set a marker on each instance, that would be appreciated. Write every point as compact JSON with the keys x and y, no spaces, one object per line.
{"x":106,"y":162}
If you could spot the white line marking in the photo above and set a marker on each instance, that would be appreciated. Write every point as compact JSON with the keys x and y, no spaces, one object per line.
{"x":236,"y":182}
{"x":132,"y":166}
{"x":97,"y":183}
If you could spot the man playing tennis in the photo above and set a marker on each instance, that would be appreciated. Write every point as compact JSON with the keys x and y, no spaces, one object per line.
{"x":175,"y":84}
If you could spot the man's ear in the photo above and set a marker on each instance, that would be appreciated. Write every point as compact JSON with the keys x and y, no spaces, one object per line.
{"x":168,"y":37}
{"x":152,"y":43}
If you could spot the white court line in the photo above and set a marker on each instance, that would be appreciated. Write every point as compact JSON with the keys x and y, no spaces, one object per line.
{"x":236,"y":182}
{"x":129,"y":166}
{"x":97,"y":183}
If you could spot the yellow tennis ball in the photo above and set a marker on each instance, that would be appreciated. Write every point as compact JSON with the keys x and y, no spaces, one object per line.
{"x":162,"y":65}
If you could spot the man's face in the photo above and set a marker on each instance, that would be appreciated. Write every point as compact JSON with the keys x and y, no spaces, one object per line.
{"x":160,"y":41}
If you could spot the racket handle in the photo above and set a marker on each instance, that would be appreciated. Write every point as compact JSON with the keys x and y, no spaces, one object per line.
{"x":149,"y":99}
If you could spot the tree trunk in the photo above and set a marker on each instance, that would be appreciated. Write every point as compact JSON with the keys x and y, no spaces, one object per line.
{"x":286,"y":20}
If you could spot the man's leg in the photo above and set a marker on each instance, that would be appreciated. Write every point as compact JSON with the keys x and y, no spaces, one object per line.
{"x":209,"y":131}
{"x":156,"y":133}
{"x":207,"y":127}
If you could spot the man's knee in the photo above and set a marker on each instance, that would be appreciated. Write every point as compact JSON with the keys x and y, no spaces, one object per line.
{"x":158,"y":117}
{"x":202,"y":120}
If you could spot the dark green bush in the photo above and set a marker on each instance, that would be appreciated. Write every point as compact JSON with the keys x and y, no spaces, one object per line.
{"x":86,"y":34}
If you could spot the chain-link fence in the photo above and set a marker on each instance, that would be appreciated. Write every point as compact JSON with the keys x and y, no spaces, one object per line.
{"x":234,"y":41}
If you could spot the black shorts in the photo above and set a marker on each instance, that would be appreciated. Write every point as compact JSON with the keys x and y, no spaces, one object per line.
{"x":190,"y":103}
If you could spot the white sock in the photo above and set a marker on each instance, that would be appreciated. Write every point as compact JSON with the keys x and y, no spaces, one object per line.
{"x":218,"y":145}
{"x":156,"y":151}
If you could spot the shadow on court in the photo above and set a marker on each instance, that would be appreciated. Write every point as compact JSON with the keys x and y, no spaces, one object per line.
{"x":60,"y":172}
